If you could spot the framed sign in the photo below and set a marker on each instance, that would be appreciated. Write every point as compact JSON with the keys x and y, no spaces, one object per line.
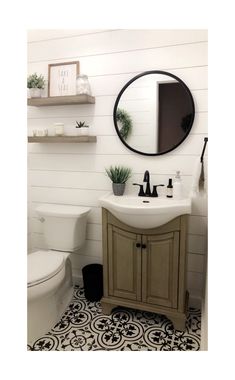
{"x":62,"y":78}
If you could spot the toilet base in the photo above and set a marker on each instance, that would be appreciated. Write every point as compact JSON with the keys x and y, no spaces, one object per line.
{"x":45,"y":311}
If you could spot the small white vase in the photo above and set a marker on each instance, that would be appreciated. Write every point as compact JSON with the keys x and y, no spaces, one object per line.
{"x":35,"y":92}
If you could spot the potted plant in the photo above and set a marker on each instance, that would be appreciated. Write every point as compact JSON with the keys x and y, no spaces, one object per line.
{"x":118,"y":175}
{"x":35,"y":84}
{"x":83,"y":129}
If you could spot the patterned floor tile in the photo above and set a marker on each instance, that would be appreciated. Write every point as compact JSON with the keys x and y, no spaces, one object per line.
{"x":83,"y":327}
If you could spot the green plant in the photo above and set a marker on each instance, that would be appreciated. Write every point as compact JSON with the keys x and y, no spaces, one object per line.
{"x":126,"y":123}
{"x":35,"y":81}
{"x":118,"y":174}
{"x":81,"y":124}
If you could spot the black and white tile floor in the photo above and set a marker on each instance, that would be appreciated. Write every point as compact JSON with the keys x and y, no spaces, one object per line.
{"x":83,"y":327}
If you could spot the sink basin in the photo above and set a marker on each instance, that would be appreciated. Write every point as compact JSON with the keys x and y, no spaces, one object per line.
{"x":145,"y":212}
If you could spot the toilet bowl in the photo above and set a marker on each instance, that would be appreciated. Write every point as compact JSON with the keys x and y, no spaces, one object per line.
{"x":45,"y":272}
{"x":49,"y":284}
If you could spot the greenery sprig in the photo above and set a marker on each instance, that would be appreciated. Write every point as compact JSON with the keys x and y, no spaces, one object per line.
{"x":124,"y":119}
{"x":35,"y":81}
{"x":81,"y":124}
{"x":118,"y":174}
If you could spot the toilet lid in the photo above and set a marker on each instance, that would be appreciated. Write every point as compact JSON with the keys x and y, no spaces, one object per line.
{"x":43,"y":265}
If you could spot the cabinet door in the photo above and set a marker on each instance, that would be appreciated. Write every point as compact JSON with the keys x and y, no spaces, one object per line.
{"x":124,"y":264}
{"x":160,"y":269}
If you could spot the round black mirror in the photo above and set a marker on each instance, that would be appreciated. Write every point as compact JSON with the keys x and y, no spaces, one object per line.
{"x":154,"y":113}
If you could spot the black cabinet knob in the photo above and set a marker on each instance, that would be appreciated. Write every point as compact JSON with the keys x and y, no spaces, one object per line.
{"x":144,"y":246}
{"x":138,"y":245}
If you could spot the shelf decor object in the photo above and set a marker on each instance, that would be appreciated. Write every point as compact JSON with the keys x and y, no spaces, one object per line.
{"x":35,"y":85}
{"x":83,"y":85}
{"x":62,"y":78}
{"x":62,"y":139}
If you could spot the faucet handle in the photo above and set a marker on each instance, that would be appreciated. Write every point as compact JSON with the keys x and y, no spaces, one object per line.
{"x":154,"y":192}
{"x":141,"y":191}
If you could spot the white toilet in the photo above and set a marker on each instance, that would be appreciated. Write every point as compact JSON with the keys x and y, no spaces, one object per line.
{"x":50,"y":285}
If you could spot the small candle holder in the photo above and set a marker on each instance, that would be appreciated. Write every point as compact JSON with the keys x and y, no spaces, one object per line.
{"x":40,"y":132}
{"x":59,"y":129}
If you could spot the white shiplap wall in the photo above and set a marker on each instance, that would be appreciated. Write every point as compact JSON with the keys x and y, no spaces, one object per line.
{"x":74,"y":173}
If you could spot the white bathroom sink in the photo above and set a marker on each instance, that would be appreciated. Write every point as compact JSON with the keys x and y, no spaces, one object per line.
{"x":145,"y":212}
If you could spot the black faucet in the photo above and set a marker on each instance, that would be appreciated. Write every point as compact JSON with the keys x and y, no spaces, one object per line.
{"x":147,"y":180}
{"x":147,"y":192}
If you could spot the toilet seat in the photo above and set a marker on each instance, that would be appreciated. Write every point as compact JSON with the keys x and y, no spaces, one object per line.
{"x":43,"y":265}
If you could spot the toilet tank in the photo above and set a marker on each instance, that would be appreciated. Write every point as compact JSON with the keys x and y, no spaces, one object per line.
{"x":64,"y":226}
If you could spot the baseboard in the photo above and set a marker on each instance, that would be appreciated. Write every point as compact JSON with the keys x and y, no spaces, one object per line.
{"x":77,"y":279}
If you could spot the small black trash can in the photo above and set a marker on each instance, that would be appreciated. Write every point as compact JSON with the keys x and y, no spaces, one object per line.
{"x":93,"y":281}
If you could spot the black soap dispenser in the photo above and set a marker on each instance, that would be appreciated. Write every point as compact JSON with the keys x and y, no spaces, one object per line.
{"x":169,"y":189}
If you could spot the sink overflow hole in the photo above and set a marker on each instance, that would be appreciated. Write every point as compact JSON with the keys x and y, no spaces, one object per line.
{"x":145,"y":201}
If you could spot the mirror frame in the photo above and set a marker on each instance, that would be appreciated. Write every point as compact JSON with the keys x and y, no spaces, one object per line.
{"x":127,"y":85}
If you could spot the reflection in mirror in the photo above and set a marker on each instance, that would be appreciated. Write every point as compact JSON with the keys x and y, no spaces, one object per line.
{"x":156,"y":112}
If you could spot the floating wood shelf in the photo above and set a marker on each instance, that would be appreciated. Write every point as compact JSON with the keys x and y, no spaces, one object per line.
{"x":61,"y":100}
{"x":61,"y":139}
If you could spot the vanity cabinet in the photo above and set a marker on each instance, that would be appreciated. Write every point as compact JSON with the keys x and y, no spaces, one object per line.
{"x":145,"y":268}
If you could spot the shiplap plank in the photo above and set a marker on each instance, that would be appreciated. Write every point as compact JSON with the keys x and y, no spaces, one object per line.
{"x":72,"y":196}
{"x":83,"y":180}
{"x":196,"y":244}
{"x":106,"y":43}
{"x":196,"y":263}
{"x":199,"y":205}
{"x":195,"y":282}
{"x":163,"y":58}
{"x":197,"y":225}
{"x":112,"y":145}
{"x":194,"y":77}
{"x":39,"y":35}
{"x":78,"y":180}
{"x":97,"y":163}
